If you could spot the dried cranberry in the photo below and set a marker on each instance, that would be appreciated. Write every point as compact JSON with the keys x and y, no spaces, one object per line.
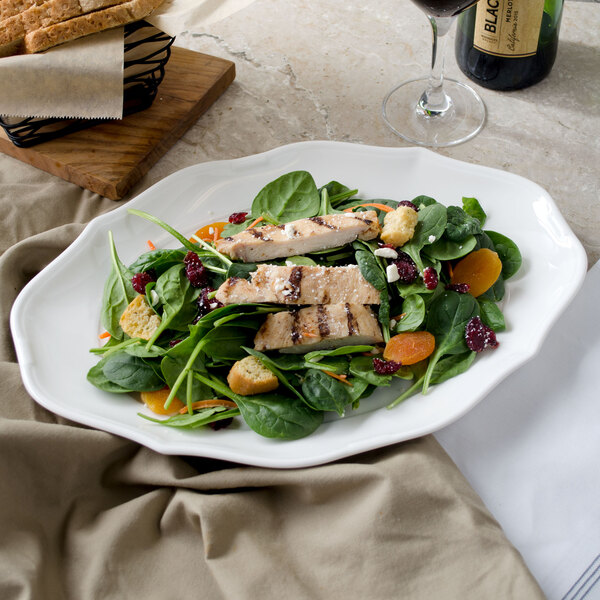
{"x":461,"y":288}
{"x":194,"y":270}
{"x":174,"y":343}
{"x":140,"y":280}
{"x":385,"y":367}
{"x":409,"y":204}
{"x":479,"y":336}
{"x":206,"y":304}
{"x":238,"y":217}
{"x":407,"y":269}
{"x":430,"y":278}
{"x":221,"y":424}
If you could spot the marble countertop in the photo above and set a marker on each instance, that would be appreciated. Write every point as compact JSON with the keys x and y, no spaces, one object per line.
{"x":319,"y":71}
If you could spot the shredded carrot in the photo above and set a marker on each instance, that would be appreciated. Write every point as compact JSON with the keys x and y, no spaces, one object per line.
{"x":209,"y":404}
{"x":104,"y":335}
{"x":399,"y":317}
{"x":450,"y":270}
{"x":309,"y":334}
{"x":255,"y":223}
{"x":382,"y":207}
{"x":341,"y":378}
{"x":151,"y":245}
{"x":211,"y":232}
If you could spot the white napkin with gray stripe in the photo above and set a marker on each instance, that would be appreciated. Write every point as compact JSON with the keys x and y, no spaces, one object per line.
{"x":531,"y":450}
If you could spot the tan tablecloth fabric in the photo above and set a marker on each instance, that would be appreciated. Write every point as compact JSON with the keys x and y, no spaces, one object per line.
{"x":85,"y":515}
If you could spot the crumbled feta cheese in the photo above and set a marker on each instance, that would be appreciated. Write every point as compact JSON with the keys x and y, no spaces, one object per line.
{"x":431,"y":239}
{"x":213,"y":305}
{"x":290,"y":230}
{"x":393,"y":323}
{"x":289,"y":263}
{"x":392,"y":273}
{"x":386,"y":253}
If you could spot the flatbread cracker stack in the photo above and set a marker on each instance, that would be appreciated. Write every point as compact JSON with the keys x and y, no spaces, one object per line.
{"x":30,"y":26}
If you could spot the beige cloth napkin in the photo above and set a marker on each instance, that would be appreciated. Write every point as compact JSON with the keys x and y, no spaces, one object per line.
{"x":84,"y":78}
{"x":85,"y":515}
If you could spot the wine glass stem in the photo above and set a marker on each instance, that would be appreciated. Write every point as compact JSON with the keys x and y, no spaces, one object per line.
{"x":434,"y":100}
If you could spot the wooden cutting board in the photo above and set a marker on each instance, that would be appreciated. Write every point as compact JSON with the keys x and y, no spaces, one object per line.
{"x":111,"y":157}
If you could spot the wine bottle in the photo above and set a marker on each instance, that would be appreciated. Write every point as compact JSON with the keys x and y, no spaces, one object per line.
{"x":508,"y":44}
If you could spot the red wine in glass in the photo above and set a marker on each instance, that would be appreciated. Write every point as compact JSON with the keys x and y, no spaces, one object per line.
{"x":435,"y":111}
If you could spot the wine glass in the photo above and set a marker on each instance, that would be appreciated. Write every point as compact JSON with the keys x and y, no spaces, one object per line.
{"x":435,"y":111}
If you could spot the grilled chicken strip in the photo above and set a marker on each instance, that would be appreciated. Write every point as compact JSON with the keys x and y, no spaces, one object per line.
{"x":319,"y":327}
{"x":300,"y":237}
{"x":299,"y":285}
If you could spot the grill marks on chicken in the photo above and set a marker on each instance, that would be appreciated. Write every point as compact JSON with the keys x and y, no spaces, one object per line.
{"x":300,"y":285}
{"x":300,"y":237}
{"x":318,"y":327}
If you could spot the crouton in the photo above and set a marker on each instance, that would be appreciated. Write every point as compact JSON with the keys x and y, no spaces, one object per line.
{"x":139,"y":320}
{"x":399,"y":226}
{"x":249,"y":376}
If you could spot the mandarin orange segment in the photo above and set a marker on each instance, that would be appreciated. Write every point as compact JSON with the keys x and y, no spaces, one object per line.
{"x":211,"y":232}
{"x":480,"y":269}
{"x":410,"y":347}
{"x":155,"y":401}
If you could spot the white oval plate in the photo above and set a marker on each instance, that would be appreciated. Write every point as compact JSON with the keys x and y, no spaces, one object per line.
{"x":55,"y":319}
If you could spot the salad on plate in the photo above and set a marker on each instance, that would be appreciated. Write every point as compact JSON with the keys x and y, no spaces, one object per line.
{"x":302,"y":307}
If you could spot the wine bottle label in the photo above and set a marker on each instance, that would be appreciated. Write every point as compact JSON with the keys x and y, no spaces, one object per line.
{"x":508,"y":27}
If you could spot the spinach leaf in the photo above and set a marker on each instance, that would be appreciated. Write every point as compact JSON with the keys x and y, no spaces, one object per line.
{"x":132,"y":372}
{"x":178,"y":236}
{"x":118,"y":293}
{"x":177,"y":297}
{"x":491,"y":315}
{"x":342,"y":351}
{"x":190,"y":390}
{"x":372,"y":271}
{"x":272,"y":366}
{"x":325,"y":393}
{"x":97,"y":377}
{"x":337,"y":193}
{"x":413,"y":309}
{"x":326,"y":208}
{"x":508,"y":252}
{"x":301,"y":260}
{"x":140,"y":349}
{"x":158,"y":260}
{"x":422,"y":201}
{"x":197,"y":419}
{"x":333,"y":364}
{"x":430,"y":227}
{"x":241,"y":270}
{"x":452,"y":365}
{"x":289,"y":197}
{"x":227,"y":341}
{"x":460,"y":224}
{"x":472,"y":207}
{"x":235,"y":228}
{"x":362,"y":367}
{"x":496,"y":292}
{"x":448,"y":316}
{"x":271,"y":415}
{"x":447,"y":249}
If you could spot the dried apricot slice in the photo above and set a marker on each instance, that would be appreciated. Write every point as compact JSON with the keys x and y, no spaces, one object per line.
{"x":155,"y":401}
{"x":479,"y":269}
{"x":212,"y":232}
{"x":410,"y":347}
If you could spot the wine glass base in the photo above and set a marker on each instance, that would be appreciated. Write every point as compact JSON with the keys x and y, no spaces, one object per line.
{"x":462,"y":121}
